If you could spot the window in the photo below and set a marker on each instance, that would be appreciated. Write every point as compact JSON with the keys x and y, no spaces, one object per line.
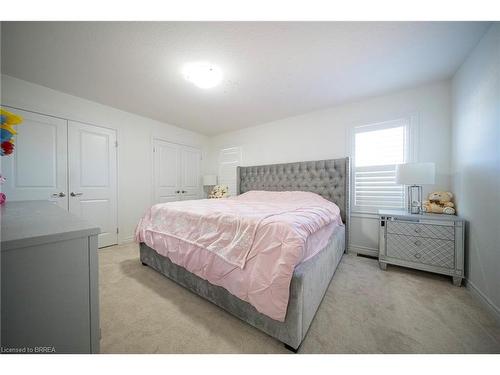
{"x":377,"y":149}
{"x":229,"y":159}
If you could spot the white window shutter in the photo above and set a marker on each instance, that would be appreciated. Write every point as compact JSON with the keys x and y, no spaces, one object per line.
{"x":377,"y":149}
{"x":229,"y":160}
{"x":375,"y":187}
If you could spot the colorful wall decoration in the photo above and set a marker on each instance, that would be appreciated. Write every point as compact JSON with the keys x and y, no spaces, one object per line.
{"x":7,"y":121}
{"x":7,"y":132}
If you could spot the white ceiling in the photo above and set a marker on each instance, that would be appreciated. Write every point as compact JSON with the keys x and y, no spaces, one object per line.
{"x":271,"y":70}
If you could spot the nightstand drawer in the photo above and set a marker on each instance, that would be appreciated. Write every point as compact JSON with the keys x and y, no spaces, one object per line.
{"x":406,"y":228}
{"x":430,"y":251}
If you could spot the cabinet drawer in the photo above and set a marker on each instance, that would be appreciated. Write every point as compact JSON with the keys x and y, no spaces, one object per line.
{"x":430,"y":251}
{"x":421,"y":230}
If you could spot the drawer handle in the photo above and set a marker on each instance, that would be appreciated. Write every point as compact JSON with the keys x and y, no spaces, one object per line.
{"x":418,"y":243}
{"x":418,"y":255}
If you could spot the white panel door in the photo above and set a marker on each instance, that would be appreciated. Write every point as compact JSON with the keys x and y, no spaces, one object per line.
{"x":166,"y":171}
{"x":37,"y":168}
{"x":190,"y":173}
{"x":92,"y":178}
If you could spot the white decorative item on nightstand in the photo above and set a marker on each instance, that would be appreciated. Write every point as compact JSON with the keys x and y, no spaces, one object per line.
{"x":428,"y":242}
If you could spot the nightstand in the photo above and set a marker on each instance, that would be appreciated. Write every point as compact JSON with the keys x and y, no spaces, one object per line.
{"x":428,"y":242}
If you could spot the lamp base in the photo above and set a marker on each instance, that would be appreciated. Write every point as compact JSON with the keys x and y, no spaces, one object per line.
{"x":414,"y":203}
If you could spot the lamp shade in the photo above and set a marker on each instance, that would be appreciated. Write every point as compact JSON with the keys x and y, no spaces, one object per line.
{"x":209,"y":180}
{"x":415,"y":173}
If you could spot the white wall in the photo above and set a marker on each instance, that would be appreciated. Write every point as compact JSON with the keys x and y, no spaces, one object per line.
{"x":134,"y":138}
{"x":324,"y":134}
{"x":317,"y":135}
{"x":476,"y":162}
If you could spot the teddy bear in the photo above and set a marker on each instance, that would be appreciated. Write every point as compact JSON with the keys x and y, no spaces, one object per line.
{"x":439,"y":202}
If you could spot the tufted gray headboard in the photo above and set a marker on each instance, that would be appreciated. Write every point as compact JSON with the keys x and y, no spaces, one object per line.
{"x":328,"y":178}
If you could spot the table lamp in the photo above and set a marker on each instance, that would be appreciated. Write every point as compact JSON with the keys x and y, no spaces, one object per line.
{"x":209,"y":180}
{"x":414,"y":175}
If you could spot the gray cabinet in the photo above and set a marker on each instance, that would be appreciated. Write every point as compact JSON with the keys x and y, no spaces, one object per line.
{"x":50,"y":295}
{"x":428,"y":242}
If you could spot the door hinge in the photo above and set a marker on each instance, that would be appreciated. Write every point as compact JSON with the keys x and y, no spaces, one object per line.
{"x":154,"y":149}
{"x":117,"y":230}
{"x":116,"y":143}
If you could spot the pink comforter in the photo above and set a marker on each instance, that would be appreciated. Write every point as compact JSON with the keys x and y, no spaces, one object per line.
{"x":249,"y":244}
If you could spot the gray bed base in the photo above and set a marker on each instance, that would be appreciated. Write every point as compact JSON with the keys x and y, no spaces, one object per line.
{"x":308,"y":286}
{"x":328,"y":178}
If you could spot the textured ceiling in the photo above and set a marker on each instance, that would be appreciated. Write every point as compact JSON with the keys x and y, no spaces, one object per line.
{"x":271,"y":70}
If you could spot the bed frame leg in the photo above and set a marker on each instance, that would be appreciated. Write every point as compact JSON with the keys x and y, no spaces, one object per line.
{"x":291,"y":348}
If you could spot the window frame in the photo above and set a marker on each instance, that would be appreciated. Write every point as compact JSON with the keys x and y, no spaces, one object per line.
{"x":410,"y":122}
{"x":230,"y":180}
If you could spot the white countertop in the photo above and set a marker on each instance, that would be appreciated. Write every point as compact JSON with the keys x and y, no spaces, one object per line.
{"x":29,"y":223}
{"x":406,"y":214}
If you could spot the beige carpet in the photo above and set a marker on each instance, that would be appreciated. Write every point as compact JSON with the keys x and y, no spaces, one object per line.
{"x":365,"y":310}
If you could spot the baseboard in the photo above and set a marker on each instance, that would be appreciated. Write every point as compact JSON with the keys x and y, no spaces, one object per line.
{"x":481,"y":297}
{"x":367,"y":256}
{"x":353,"y":249}
{"x":126,"y":240}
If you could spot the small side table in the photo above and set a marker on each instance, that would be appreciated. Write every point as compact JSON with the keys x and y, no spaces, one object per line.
{"x":428,"y":242}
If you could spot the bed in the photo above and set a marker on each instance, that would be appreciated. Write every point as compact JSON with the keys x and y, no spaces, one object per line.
{"x":309,"y":279}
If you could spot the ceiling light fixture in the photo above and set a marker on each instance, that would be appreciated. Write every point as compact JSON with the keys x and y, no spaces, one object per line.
{"x":202,"y":74}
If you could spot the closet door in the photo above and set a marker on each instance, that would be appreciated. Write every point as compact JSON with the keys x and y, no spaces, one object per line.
{"x":166,"y":171}
{"x":37,"y":168}
{"x":190,"y":173}
{"x":92,"y":178}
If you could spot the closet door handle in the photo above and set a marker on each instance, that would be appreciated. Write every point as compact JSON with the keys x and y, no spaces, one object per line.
{"x":177,"y":191}
{"x":184,"y":191}
{"x":73,"y":194}
{"x":58,"y":195}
